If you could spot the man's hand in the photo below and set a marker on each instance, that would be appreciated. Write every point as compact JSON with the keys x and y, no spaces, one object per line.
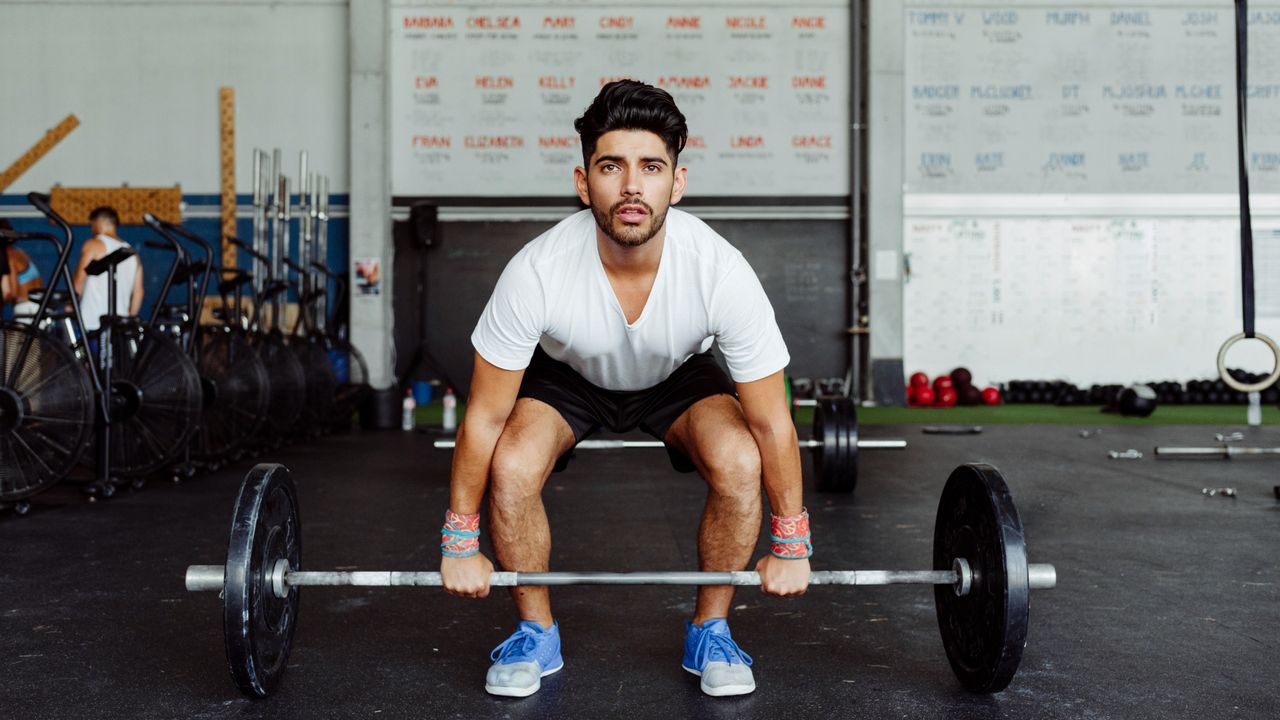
{"x":783,"y":577}
{"x":467,"y":577}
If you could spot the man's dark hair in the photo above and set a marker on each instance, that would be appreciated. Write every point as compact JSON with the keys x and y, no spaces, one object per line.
{"x":106,"y":212}
{"x":632,"y":105}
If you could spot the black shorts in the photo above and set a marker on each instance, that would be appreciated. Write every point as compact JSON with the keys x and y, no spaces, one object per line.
{"x":588,"y":408}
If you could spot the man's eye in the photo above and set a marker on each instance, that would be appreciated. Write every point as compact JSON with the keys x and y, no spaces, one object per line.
{"x":652,"y":168}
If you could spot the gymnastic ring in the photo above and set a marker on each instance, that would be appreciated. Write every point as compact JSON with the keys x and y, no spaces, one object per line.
{"x":1235,"y":384}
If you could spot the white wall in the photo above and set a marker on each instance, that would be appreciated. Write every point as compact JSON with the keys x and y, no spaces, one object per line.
{"x":143,"y":78}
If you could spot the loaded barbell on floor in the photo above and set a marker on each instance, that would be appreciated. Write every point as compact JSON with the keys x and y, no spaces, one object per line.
{"x":981,"y":578}
{"x":835,"y":444}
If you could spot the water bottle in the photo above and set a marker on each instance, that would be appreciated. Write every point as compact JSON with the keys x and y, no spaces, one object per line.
{"x":1254,"y":413}
{"x":407,"y":420}
{"x":450,"y":410}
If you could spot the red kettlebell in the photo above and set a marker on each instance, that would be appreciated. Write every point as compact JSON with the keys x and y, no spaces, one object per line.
{"x":919,"y":379}
{"x":991,"y":396}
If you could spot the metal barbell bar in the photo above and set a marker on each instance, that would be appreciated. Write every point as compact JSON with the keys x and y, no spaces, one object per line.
{"x":894,"y":444}
{"x":1215,"y":451}
{"x":281,"y":578}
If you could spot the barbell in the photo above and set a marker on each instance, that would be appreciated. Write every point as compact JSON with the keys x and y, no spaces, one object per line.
{"x":981,"y":578}
{"x":835,"y":444}
{"x":1213,"y":451}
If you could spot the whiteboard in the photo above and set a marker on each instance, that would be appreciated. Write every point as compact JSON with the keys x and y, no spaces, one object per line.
{"x":1086,"y":299}
{"x":1069,"y":173}
{"x":483,"y":97}
{"x":1094,"y":97}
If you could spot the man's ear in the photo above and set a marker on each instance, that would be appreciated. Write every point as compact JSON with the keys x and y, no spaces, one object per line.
{"x":580,"y":184}
{"x":681,"y":182}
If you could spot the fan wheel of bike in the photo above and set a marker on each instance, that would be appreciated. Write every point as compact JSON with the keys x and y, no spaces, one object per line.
{"x":235,"y":388}
{"x":321,"y":386}
{"x":155,"y":398}
{"x":287,"y":384}
{"x":46,"y":412}
{"x":352,"y":374}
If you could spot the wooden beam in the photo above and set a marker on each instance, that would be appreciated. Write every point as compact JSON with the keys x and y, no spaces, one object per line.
{"x":227,"y":147}
{"x":37,"y":151}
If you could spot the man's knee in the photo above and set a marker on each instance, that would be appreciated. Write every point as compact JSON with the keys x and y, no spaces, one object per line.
{"x":517,"y":474}
{"x":734,"y":467}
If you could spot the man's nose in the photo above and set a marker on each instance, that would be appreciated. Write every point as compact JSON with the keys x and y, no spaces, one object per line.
{"x":631,"y":183}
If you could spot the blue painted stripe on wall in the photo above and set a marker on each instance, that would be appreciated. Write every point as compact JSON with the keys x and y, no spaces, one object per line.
{"x":155,"y":263}
{"x":201,"y":200}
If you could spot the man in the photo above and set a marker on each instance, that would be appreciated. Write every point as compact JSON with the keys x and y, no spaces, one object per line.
{"x":18,"y":277}
{"x":606,"y":321}
{"x":92,"y":289}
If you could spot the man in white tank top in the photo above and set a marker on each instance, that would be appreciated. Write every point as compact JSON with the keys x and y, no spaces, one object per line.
{"x":606,"y":321}
{"x":92,"y":289}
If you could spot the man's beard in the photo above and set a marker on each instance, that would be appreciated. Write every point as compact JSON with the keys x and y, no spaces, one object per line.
{"x":628,"y":235}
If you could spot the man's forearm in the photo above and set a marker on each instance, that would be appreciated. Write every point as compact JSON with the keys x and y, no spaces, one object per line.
{"x":780,"y":463}
{"x":471,"y":460}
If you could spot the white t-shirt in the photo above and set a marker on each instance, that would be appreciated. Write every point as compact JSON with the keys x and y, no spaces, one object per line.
{"x":94,"y":299}
{"x":554,"y":292}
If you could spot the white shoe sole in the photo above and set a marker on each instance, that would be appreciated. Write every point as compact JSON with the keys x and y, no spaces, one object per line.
{"x":522,"y":692}
{"x":723,"y":690}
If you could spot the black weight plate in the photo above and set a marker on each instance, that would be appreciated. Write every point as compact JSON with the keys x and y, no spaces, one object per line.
{"x":850,"y":472}
{"x":845,"y":477}
{"x":984,"y":631}
{"x":825,"y":455}
{"x":257,"y":625}
{"x":835,"y":461}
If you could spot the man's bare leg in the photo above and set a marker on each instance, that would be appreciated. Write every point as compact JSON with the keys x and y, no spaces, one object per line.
{"x":535,"y":436}
{"x":714,"y":434}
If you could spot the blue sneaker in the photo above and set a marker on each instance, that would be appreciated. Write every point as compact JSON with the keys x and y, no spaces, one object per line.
{"x":711,"y":654}
{"x":522,"y":660}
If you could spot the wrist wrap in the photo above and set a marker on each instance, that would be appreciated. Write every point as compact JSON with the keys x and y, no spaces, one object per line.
{"x":460,"y":536}
{"x":790,"y":536}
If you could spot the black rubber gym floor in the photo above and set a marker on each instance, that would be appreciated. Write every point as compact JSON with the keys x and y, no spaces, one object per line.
{"x":1168,"y":603}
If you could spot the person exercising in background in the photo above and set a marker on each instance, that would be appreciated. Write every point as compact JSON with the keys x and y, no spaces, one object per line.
{"x":607,"y":321}
{"x":18,"y":277}
{"x":92,"y":289}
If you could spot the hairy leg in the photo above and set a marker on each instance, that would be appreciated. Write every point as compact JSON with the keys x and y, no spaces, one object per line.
{"x":534,"y":437}
{"x":714,"y":434}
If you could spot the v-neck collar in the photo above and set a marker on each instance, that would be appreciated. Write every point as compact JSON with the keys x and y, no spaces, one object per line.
{"x":657,"y":278}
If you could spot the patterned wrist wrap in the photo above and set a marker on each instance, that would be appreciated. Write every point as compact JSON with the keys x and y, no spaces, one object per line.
{"x":790,"y":536}
{"x":460,"y":536}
